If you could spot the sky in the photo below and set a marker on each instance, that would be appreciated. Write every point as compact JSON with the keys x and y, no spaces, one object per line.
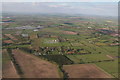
{"x":91,"y":8}
{"x":59,"y":0}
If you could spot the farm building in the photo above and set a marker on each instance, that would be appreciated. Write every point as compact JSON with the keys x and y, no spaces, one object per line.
{"x":35,"y":30}
{"x":25,"y":35}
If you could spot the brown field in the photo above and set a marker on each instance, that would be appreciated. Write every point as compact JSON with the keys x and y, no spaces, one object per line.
{"x":11,"y":37}
{"x":34,"y":67}
{"x":8,"y":41}
{"x":70,"y":32}
{"x":8,"y":70}
{"x":85,"y":71}
{"x":33,"y":36}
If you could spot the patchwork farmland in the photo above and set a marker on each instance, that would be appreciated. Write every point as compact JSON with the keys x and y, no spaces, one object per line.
{"x":48,"y":46}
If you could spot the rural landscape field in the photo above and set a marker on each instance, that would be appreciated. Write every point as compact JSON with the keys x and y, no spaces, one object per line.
{"x":59,"y":45}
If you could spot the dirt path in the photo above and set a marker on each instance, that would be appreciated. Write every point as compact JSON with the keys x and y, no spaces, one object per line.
{"x":85,"y":71}
{"x":109,"y":56}
{"x":34,"y":67}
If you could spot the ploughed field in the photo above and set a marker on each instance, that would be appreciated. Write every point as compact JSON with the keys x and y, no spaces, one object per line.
{"x":8,"y":67}
{"x":85,"y":71}
{"x":9,"y":71}
{"x":34,"y":67}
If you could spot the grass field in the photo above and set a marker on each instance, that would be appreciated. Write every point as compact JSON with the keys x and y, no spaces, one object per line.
{"x":110,"y":67}
{"x":88,"y":57}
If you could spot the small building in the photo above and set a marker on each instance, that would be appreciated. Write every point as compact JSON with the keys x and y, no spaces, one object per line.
{"x":35,"y":30}
{"x":24,"y":35}
{"x":89,"y":27}
{"x":39,"y":27}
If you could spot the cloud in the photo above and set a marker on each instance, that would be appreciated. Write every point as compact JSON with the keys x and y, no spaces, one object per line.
{"x":35,"y":3}
{"x":12,"y":0}
{"x":59,"y":5}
